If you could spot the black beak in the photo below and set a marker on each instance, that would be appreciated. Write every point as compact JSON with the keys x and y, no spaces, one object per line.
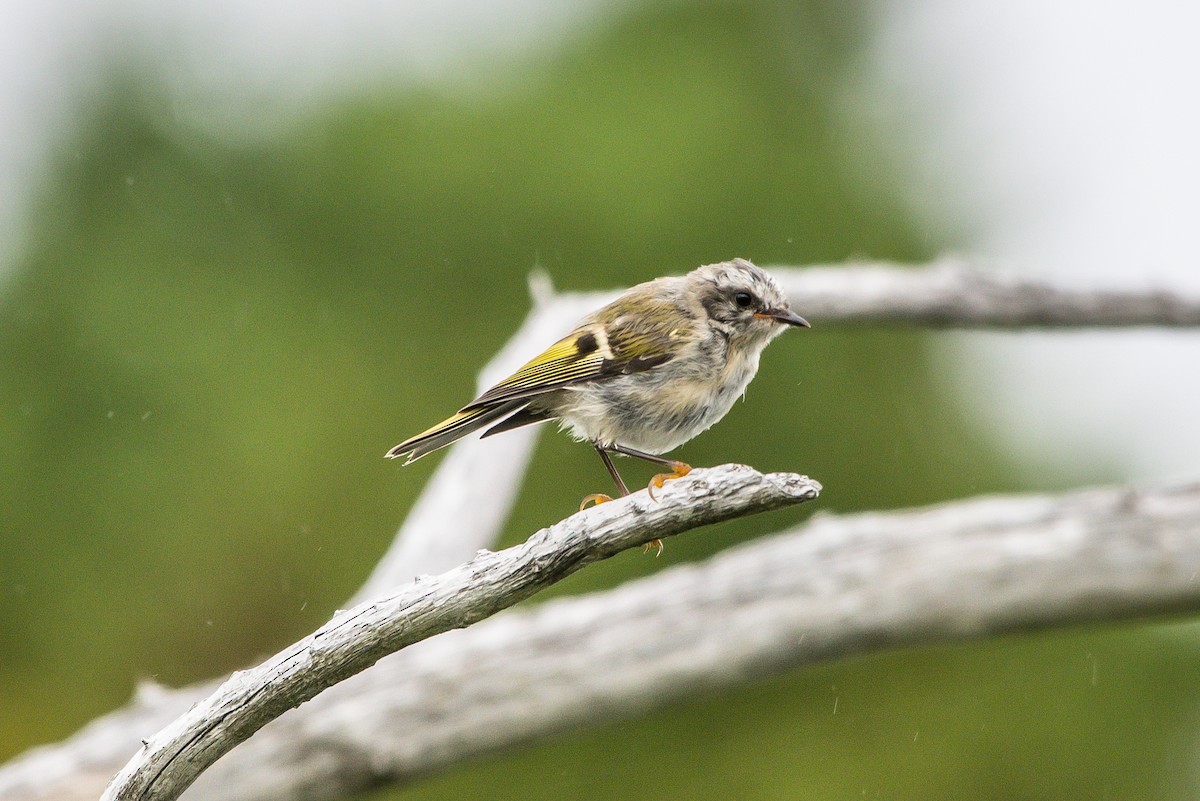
{"x":786,"y":316}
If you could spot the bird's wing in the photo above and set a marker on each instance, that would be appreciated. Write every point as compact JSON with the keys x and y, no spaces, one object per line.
{"x":608,"y":345}
{"x":452,"y":429}
{"x":592,"y":352}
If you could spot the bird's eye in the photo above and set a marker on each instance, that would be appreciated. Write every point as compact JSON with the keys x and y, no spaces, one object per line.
{"x":743,"y":300}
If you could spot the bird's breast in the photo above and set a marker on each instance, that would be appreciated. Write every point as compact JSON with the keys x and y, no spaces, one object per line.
{"x":659,"y":409}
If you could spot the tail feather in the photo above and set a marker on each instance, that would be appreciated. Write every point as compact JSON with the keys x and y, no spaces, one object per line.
{"x":524,"y":417}
{"x":452,"y":429}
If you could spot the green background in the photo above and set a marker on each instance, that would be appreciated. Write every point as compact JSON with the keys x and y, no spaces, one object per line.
{"x":207,"y":345}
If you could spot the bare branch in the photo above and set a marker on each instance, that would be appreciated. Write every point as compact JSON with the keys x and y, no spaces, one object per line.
{"x":950,"y":294}
{"x":460,"y":510}
{"x":456,"y":515}
{"x":838,"y":586}
{"x":356,"y":638}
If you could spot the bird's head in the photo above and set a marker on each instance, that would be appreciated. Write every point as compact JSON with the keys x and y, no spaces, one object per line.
{"x":743,"y":301}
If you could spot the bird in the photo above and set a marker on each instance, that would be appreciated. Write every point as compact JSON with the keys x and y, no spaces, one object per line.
{"x":640,"y":376}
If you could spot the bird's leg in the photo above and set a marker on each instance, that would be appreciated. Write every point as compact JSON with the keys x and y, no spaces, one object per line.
{"x":612,"y":471}
{"x":678,"y":468}
{"x":624,"y":490}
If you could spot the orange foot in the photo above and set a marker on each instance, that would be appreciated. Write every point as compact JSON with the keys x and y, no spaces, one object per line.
{"x":597,"y":498}
{"x":653,"y":544}
{"x":678,"y":470}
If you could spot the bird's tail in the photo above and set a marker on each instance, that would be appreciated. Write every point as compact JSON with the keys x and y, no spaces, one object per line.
{"x":453,"y":429}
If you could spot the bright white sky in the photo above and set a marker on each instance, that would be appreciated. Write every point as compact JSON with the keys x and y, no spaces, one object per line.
{"x":1057,"y":137}
{"x":1062,"y":136}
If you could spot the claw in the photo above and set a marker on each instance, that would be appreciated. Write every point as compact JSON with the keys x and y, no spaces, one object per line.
{"x":596,"y":497}
{"x":653,"y":544}
{"x":678,"y":470}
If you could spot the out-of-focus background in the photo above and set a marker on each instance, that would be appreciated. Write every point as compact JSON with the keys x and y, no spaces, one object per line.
{"x":247,"y":247}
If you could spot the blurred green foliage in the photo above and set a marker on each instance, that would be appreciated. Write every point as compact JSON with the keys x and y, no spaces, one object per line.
{"x":208,"y":346}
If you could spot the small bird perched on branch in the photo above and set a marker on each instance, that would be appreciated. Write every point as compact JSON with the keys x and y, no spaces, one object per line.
{"x":642,"y":375}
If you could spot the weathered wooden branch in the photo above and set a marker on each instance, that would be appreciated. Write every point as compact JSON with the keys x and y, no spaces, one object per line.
{"x":455,"y":516}
{"x":357,"y":638}
{"x":837,"y":586}
{"x":951,"y":294}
